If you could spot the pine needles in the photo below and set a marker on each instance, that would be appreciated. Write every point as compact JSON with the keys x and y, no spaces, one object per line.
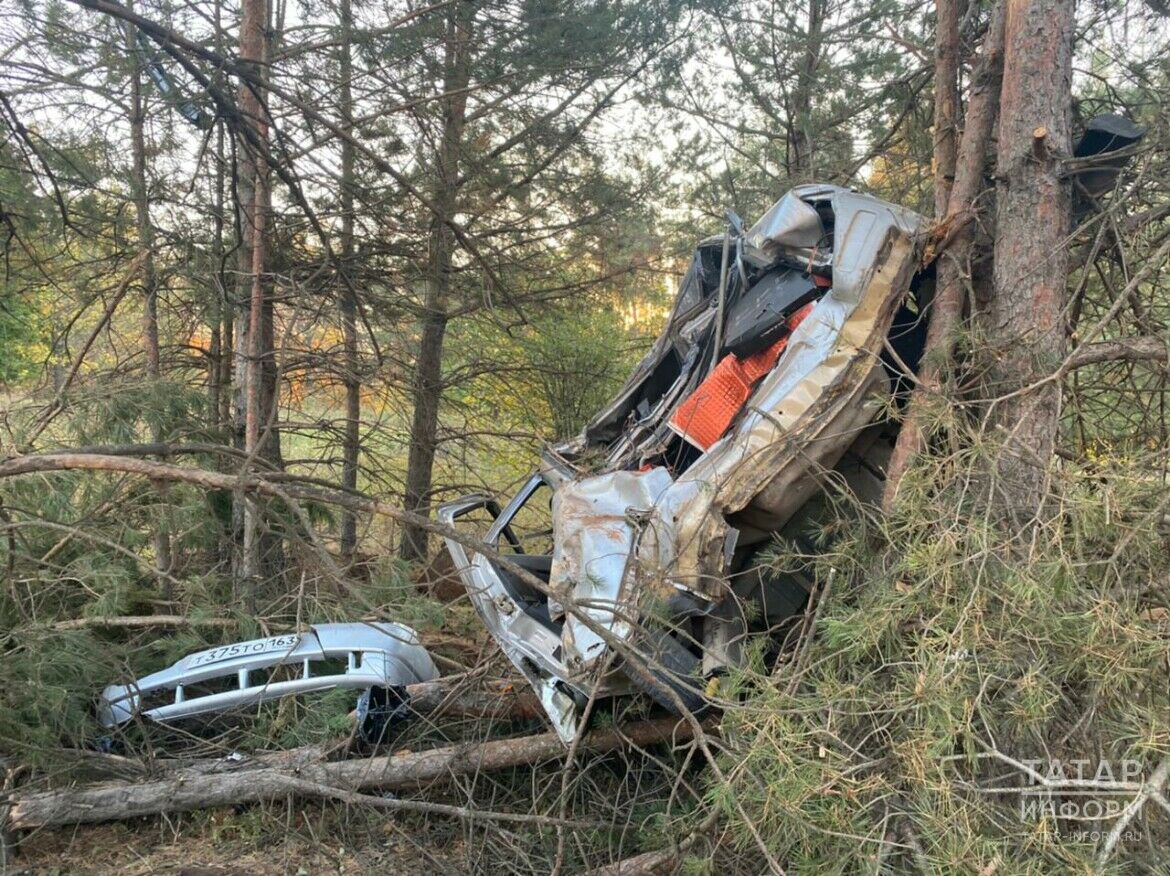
{"x":955,"y":644}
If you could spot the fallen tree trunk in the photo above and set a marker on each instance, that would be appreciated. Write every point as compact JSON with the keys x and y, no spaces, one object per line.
{"x":141,"y":622}
{"x":191,"y":789}
{"x":657,"y":863}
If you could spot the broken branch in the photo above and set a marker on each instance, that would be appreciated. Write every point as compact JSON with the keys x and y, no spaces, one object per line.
{"x":189,"y":789}
{"x":305,"y":788}
{"x":656,"y":863}
{"x":1153,"y":787}
{"x":1139,"y":349}
{"x":140,"y":622}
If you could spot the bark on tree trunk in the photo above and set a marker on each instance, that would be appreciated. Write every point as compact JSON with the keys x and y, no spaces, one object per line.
{"x":214,"y":356}
{"x":954,"y":272}
{"x":801,"y":146}
{"x":261,"y":554}
{"x":946,"y":102}
{"x":1033,"y":216}
{"x":252,"y":405}
{"x":427,"y":389}
{"x":227,"y":315}
{"x":239,"y":381}
{"x":227,"y":359}
{"x":150,"y":343}
{"x":353,"y":404}
{"x":220,"y":317}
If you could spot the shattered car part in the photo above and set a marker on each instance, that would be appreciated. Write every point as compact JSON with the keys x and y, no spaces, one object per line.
{"x":1100,"y":155}
{"x":759,"y":317}
{"x":658,"y":543}
{"x":357,"y":656}
{"x":379,"y":710}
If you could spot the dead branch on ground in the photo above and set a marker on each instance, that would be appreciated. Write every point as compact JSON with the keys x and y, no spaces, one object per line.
{"x":190,"y":789}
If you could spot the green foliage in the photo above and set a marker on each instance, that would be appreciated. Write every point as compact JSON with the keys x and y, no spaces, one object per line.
{"x":784,"y":94}
{"x":944,"y":642}
{"x":578,"y":361}
{"x":540,"y":382}
{"x":22,"y":337}
{"x":48,"y":682}
{"x":595,"y":134}
{"x":127,"y":412}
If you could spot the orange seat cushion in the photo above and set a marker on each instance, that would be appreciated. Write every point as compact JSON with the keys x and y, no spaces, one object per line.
{"x":704,"y":417}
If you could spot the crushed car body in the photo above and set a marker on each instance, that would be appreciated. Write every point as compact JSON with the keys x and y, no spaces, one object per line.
{"x":357,"y":656}
{"x":774,"y":375}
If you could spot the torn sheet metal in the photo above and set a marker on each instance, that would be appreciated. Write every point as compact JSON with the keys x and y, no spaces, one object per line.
{"x":791,"y":221}
{"x":705,"y":416}
{"x":829,"y":356}
{"x":596,"y":521}
{"x":652,"y":532}
{"x":374,"y":654}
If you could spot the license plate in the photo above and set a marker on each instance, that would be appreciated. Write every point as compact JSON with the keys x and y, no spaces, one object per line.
{"x":255,"y":648}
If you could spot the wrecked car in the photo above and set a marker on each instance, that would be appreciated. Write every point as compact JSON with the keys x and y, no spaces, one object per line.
{"x":376,"y":659}
{"x":773,"y":376}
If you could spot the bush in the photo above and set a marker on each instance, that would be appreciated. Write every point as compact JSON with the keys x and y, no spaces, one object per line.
{"x":950,"y":654}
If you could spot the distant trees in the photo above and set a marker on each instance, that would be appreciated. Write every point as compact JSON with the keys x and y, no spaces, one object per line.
{"x":783,"y":94}
{"x":355,"y":229}
{"x":315,"y":211}
{"x":391,"y":248}
{"x":516,"y":188}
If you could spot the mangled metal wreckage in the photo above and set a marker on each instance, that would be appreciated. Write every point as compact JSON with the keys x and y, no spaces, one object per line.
{"x":773,"y":376}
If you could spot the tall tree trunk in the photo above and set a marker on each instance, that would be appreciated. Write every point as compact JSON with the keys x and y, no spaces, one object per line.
{"x":239,"y":345}
{"x":351,"y":445}
{"x":220,"y":380}
{"x":427,"y":389}
{"x":946,"y":102}
{"x":956,"y":219}
{"x":150,"y":344}
{"x":227,"y":356}
{"x":215,"y":372}
{"x":801,"y":147}
{"x":253,"y":412}
{"x":261,"y":439}
{"x":229,"y":309}
{"x":1031,"y":255}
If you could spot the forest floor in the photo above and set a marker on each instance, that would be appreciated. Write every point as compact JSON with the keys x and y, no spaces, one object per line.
{"x":225,"y":843}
